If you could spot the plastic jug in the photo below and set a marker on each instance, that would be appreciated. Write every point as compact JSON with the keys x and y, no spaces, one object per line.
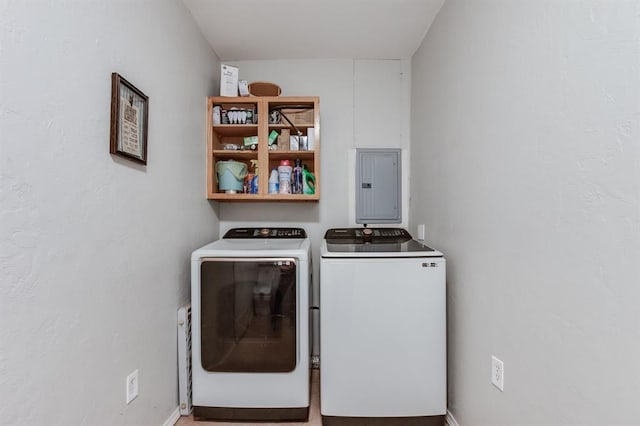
{"x":284,"y":177}
{"x":308,"y":182}
{"x":273,"y":182}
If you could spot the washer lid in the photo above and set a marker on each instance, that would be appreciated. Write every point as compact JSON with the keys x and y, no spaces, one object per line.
{"x":410,"y":248}
{"x":373,"y":242}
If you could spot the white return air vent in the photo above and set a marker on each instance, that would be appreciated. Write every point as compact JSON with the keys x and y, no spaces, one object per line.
{"x":184,"y":359}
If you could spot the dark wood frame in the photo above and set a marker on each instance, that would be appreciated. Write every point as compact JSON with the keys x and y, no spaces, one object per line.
{"x":118,"y":82}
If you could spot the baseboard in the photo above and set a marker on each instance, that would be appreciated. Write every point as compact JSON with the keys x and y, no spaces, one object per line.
{"x":451,"y":421}
{"x":173,"y":418}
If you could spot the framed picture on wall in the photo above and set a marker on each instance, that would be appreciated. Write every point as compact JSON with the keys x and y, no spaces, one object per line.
{"x":129,"y":115}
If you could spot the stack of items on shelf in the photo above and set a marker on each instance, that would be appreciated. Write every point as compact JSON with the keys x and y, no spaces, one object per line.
{"x":234,"y":115}
{"x":288,"y":142}
{"x":291,"y":180}
{"x":256,"y":147}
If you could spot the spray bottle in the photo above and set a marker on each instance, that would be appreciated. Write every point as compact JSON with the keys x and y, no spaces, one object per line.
{"x":248,"y":180}
{"x":254,"y":181}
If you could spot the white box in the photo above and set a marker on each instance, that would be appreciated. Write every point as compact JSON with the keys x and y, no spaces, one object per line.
{"x":294,"y":143}
{"x":243,"y":88}
{"x":228,"y":80}
{"x":311,"y":136}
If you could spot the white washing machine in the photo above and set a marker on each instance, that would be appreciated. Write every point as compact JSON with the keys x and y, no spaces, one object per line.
{"x":250,"y":326}
{"x":382,"y":329}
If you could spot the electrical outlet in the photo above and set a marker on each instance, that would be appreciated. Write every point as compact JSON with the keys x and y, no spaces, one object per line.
{"x":497,"y":373}
{"x":132,"y":386}
{"x":421,"y":232}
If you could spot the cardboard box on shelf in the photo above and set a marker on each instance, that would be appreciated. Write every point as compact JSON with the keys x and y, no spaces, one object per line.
{"x":299,"y":116}
{"x":283,"y":140}
{"x":250,"y":140}
{"x":249,"y":116}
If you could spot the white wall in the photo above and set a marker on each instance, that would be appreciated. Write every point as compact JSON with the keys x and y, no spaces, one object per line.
{"x":363,"y":103}
{"x":526,"y":159}
{"x":95,"y":250}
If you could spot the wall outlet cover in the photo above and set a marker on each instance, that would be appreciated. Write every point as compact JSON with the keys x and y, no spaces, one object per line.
{"x":132,"y":386}
{"x":497,"y":373}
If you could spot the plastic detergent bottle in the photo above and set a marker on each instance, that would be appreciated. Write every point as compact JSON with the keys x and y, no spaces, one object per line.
{"x":296,"y":178}
{"x":308,"y":182}
{"x":273,"y":182}
{"x":284,"y":177}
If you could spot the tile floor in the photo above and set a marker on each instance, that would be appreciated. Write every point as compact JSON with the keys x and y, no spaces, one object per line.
{"x":314,"y":419}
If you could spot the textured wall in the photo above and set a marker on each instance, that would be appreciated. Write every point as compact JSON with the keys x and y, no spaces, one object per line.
{"x":526,"y":159}
{"x":94,"y":249}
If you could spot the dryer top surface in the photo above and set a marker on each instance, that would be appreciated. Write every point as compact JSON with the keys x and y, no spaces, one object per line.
{"x":264,"y":247}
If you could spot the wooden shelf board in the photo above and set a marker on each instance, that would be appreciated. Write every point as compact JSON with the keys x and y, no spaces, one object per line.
{"x":291,"y":100}
{"x":235,"y":153}
{"x":236,"y":129}
{"x":288,"y":126}
{"x":236,"y":197}
{"x":289,"y":155}
{"x":258,"y":197}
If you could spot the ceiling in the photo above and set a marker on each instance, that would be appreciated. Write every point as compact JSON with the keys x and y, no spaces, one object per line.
{"x":313,"y":29}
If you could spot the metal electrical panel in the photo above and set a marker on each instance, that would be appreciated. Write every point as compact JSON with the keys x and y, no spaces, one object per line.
{"x":378,"y":190}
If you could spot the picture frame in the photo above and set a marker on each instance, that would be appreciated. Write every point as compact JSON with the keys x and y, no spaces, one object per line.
{"x":129,"y":120}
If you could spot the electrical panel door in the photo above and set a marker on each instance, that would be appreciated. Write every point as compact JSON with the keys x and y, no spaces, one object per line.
{"x":378,"y":189}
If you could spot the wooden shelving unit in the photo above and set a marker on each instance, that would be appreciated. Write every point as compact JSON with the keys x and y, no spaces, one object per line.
{"x":303,"y":112}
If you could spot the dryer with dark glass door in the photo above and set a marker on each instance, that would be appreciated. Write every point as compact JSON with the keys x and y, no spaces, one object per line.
{"x":250,"y":308}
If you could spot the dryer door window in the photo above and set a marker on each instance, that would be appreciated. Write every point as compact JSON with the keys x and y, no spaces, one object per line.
{"x":248,"y":315}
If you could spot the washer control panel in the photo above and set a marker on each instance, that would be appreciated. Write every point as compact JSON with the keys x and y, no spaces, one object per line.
{"x":266,"y":233}
{"x":367,"y":235}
